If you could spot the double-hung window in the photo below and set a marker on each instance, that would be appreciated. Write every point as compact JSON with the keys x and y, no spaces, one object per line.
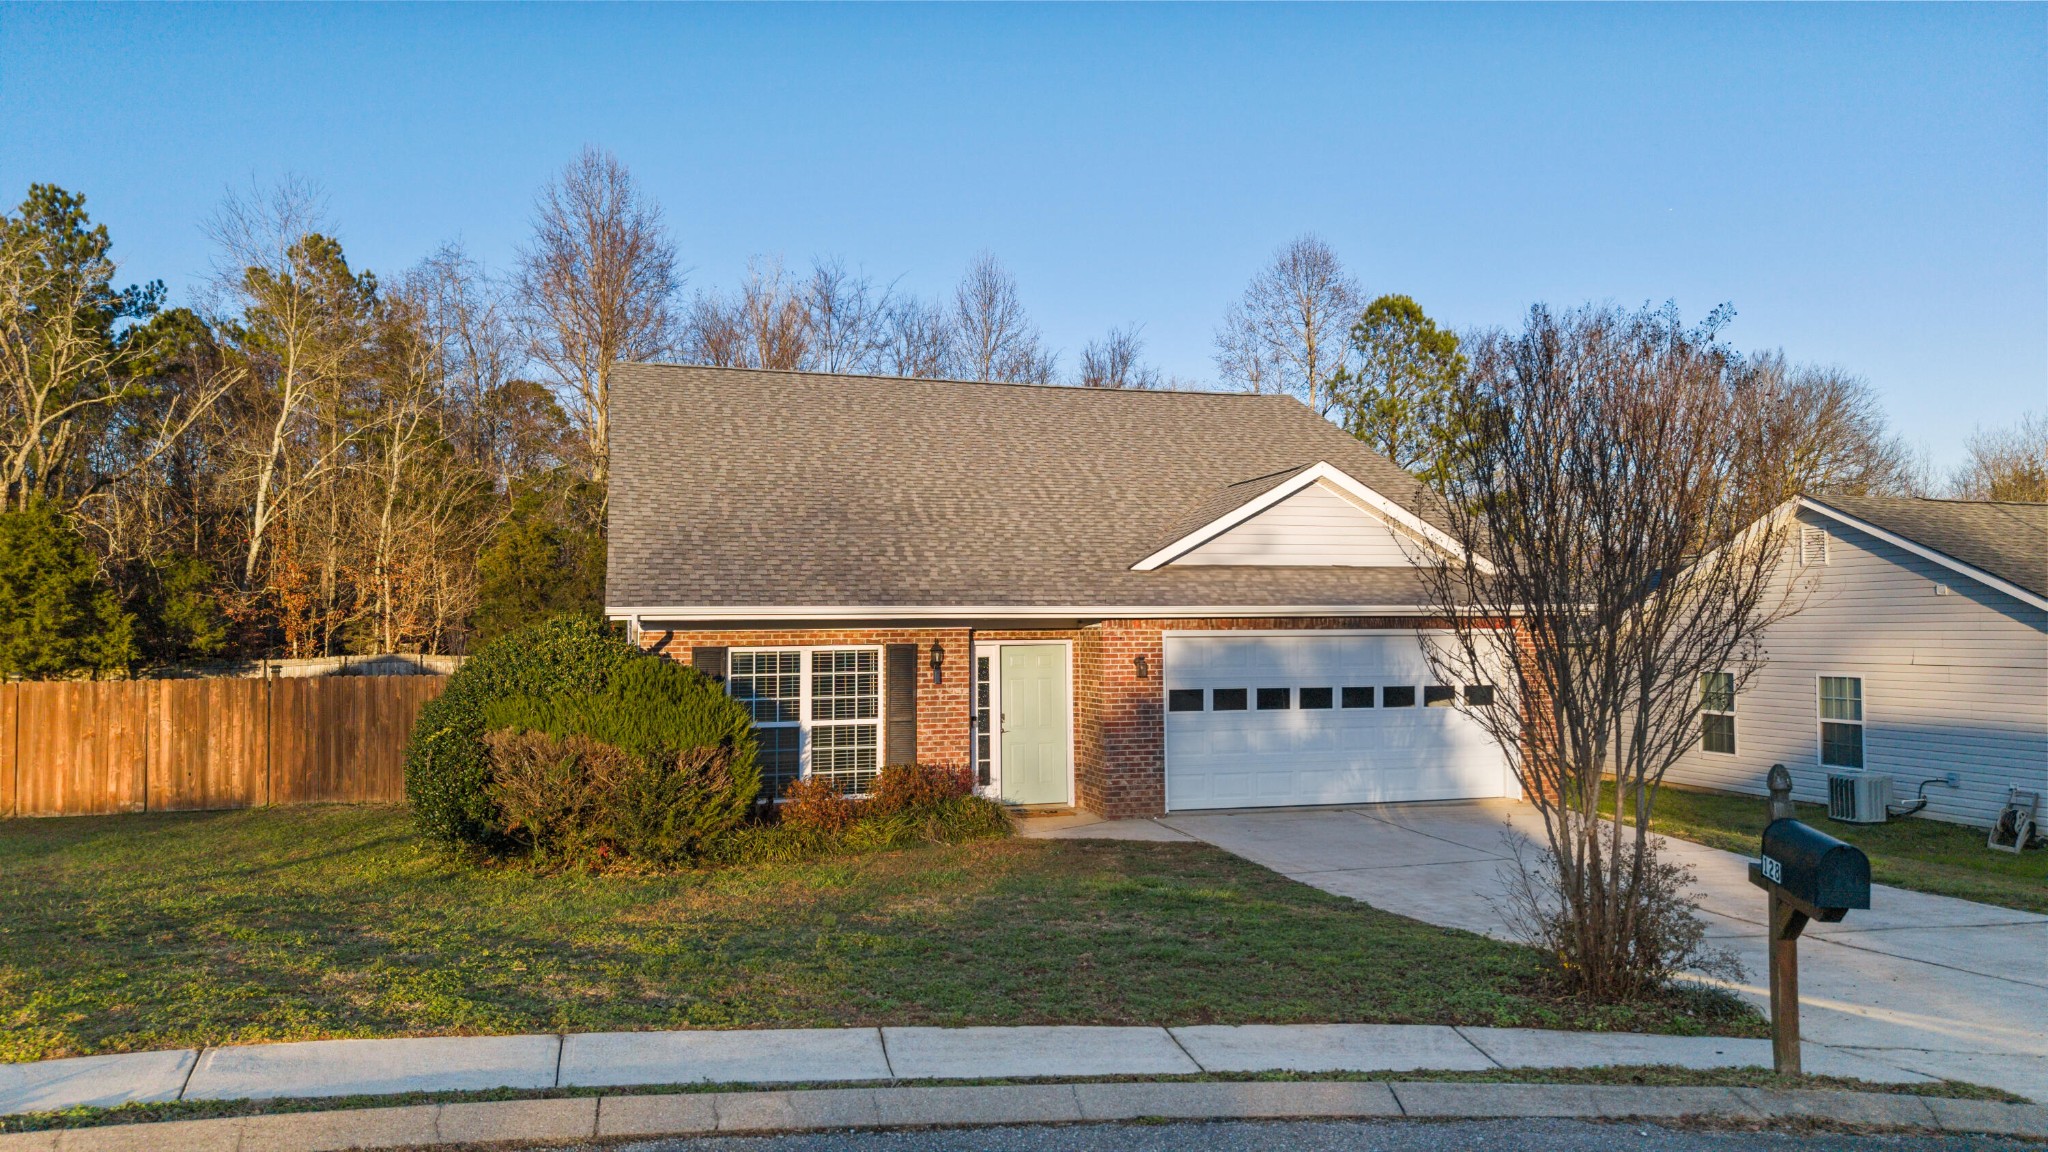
{"x":817,"y":713}
{"x":1717,"y":712}
{"x":1841,"y":721}
{"x":771,"y":685}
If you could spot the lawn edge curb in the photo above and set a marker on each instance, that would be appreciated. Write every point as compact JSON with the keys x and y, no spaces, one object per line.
{"x":811,"y":1110}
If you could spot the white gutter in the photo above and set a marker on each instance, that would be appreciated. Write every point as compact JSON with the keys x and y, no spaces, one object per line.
{"x":777,"y":612}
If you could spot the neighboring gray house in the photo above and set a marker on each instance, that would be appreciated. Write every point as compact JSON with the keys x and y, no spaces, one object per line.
{"x":1921,"y":649}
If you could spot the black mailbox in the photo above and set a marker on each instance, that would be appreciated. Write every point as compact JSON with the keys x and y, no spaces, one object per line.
{"x":1814,"y":868}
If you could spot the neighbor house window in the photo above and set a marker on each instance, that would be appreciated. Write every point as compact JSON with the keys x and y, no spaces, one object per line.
{"x":1717,"y":712}
{"x":771,"y":685}
{"x":1841,"y":721}
{"x":816,"y":712}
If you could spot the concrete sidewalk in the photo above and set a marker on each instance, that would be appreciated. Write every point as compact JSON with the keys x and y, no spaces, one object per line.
{"x":854,"y":1055}
{"x":1928,"y":984}
{"x":707,"y":1113}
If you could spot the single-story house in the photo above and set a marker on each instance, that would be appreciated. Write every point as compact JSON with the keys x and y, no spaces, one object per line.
{"x":1130,"y":602}
{"x":1919,"y":648}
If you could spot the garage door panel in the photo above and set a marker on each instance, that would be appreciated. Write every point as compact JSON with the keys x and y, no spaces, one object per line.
{"x":1295,"y":756}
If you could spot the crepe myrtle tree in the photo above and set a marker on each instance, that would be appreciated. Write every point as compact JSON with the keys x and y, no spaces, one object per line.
{"x":1621,"y":478}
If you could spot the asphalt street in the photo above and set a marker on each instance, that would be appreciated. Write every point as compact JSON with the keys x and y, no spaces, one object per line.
{"x":1323,"y":1136}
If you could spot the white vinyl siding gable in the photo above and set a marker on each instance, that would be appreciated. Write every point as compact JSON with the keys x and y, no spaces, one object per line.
{"x":1315,"y":526}
{"x":1955,"y":682}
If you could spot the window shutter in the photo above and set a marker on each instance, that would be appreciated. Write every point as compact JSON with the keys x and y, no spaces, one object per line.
{"x":1813,"y":546}
{"x":709,"y":661}
{"x":902,"y":704}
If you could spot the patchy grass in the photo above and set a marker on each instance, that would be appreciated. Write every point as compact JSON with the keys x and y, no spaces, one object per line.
{"x":1923,"y":855}
{"x":1659,"y":1075}
{"x":140,"y":932}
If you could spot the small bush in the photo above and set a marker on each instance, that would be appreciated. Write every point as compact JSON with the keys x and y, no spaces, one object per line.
{"x":576,"y":801}
{"x":569,"y":676}
{"x":817,"y":805}
{"x":915,"y":787}
{"x":549,"y":790}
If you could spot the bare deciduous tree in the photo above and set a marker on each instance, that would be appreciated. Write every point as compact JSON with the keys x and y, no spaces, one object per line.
{"x":1616,"y":484}
{"x":2007,"y":464}
{"x":918,"y":340}
{"x":1114,"y":362}
{"x":993,"y":339}
{"x":776,"y":323}
{"x":1831,"y":427}
{"x":847,"y":318}
{"x":298,"y":337}
{"x":1287,"y":333}
{"x":596,"y":286}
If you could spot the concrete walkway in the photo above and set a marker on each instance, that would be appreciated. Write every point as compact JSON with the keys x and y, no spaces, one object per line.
{"x":851,"y":1055}
{"x":1925,"y":984}
{"x":611,"y":1118}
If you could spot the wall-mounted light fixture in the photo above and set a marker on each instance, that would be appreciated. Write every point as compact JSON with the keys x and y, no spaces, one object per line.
{"x":1144,"y":669}
{"x":938,"y":664}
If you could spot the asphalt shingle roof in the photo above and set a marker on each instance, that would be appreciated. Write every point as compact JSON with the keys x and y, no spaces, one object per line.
{"x":2010,"y":541}
{"x":734,"y":488}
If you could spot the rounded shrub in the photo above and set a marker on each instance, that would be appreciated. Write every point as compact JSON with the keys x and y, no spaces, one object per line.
{"x":566,"y":676}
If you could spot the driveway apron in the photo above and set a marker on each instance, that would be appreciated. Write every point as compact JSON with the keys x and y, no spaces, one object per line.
{"x":1929,"y":984}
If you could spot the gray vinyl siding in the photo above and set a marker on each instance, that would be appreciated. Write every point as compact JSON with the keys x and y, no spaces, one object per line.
{"x":1950,"y":683}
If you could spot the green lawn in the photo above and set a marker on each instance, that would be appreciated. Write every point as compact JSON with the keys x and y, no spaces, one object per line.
{"x":1924,"y":855}
{"x":137,"y":932}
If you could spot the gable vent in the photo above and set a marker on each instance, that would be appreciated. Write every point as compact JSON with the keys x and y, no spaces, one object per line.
{"x":1813,"y":545}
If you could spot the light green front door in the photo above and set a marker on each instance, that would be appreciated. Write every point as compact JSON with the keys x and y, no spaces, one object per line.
{"x":1034,"y":723}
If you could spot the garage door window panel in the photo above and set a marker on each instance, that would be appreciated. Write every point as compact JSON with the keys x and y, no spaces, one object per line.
{"x":1398,"y":695}
{"x":1272,"y":699}
{"x":1227,"y":699}
{"x":1315,"y":698}
{"x":1357,"y":697}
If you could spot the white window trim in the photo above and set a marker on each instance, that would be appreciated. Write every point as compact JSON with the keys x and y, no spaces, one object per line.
{"x":1730,"y":714}
{"x":804,"y":723}
{"x":1820,"y":743}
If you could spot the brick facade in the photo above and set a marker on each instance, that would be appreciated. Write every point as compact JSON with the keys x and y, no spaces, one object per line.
{"x":1119,"y":713}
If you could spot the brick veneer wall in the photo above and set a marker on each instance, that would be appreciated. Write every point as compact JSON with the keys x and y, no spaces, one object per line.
{"x":1119,"y":717}
{"x":943,"y":709}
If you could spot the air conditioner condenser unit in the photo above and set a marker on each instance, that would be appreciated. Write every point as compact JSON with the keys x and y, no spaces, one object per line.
{"x":1858,"y":797}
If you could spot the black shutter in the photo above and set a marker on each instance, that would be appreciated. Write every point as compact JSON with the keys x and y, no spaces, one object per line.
{"x":902,"y":689}
{"x":709,"y":661}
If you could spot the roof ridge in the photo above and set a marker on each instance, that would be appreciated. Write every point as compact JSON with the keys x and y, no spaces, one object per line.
{"x":1228,"y":394}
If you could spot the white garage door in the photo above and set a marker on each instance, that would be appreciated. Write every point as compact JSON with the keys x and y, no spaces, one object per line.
{"x":1267,"y":720}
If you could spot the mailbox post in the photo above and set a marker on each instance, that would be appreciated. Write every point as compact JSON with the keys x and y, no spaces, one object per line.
{"x":1808,"y":875}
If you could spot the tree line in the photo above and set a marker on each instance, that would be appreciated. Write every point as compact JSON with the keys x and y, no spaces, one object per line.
{"x":306,"y":458}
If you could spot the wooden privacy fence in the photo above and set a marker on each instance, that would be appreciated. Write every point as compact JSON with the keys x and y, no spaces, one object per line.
{"x":77,"y":749}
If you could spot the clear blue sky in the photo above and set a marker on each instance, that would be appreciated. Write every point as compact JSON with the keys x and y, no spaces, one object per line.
{"x":1867,"y":185}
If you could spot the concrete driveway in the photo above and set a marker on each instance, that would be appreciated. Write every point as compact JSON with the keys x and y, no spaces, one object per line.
{"x":1930,"y":984}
